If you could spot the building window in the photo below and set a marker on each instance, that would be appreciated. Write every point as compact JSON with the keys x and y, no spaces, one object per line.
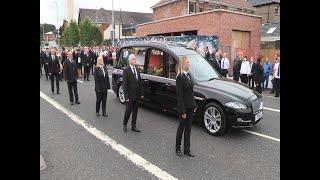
{"x":212,"y":7}
{"x":276,"y":9}
{"x":192,"y":7}
{"x":201,"y":6}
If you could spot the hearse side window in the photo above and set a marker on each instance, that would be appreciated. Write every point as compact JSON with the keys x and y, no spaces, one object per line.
{"x":140,"y":55}
{"x":172,"y":68}
{"x":155,"y":65}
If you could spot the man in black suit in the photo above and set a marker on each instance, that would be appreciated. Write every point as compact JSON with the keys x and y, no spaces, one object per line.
{"x":71,"y":75}
{"x":206,"y":53}
{"x":133,"y":91}
{"x":54,"y":70}
{"x":42,"y":57}
{"x":86,"y":61}
{"x":186,"y":106}
{"x":94,"y":56}
{"x":46,"y":62}
{"x":215,"y":62}
{"x":236,"y":67}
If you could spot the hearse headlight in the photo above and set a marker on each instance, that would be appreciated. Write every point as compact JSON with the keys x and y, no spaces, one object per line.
{"x":236,"y":105}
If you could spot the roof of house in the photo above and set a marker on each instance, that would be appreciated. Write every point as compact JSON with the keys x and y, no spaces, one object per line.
{"x":241,"y":3}
{"x":270,"y":31}
{"x":105,"y":16}
{"x":262,"y":2}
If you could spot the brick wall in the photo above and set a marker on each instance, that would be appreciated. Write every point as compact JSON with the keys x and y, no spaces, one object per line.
{"x":263,"y":11}
{"x":178,"y":8}
{"x":219,"y":22}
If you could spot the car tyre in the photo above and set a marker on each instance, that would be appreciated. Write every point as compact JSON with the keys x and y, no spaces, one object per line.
{"x":214,"y":119}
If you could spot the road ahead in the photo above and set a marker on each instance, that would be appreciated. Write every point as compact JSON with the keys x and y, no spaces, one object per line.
{"x":75,"y":144}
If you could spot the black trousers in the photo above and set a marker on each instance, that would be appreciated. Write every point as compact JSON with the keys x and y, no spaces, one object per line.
{"x":236,"y":76}
{"x":57,"y":77}
{"x":184,"y":128}
{"x":259,"y":88}
{"x":92,"y":69}
{"x":251,"y":81}
{"x":40,"y":69}
{"x":101,"y":97}
{"x":86,"y":72}
{"x":244,"y":78}
{"x":224,"y":72}
{"x":46,"y":70}
{"x":131,"y":106}
{"x":276,"y":85}
{"x":72,"y":88}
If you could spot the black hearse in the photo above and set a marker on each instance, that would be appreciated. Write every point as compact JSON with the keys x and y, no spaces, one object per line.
{"x":221,"y":103}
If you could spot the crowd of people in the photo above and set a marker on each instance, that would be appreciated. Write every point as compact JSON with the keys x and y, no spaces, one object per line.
{"x":254,"y":74}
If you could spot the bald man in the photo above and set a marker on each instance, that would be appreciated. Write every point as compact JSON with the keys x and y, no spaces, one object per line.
{"x":133,"y":92}
{"x":71,"y":75}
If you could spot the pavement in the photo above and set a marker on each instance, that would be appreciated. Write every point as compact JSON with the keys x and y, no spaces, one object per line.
{"x":72,"y":152}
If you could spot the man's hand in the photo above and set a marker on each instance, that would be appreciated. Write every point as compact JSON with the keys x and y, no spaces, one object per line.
{"x":142,"y":97}
{"x":49,"y":73}
{"x":127,"y":100}
{"x":184,"y":116}
{"x":195,"y":109}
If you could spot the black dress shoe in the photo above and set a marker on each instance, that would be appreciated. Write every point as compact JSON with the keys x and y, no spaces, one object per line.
{"x":125,"y":129}
{"x":72,"y":103}
{"x":88,"y":80}
{"x":78,"y":102}
{"x":97,"y":114}
{"x":178,"y":152}
{"x":189,"y":153}
{"x":135,"y":129}
{"x":52,"y":92}
{"x":58,"y":93}
{"x":105,"y":115}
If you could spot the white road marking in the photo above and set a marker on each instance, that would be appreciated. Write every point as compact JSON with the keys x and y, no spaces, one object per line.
{"x":127,"y":153}
{"x":80,"y":81}
{"x":271,"y":109}
{"x":262,"y":135}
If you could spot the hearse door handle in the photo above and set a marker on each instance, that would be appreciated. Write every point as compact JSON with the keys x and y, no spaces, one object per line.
{"x":168,"y":85}
{"x":146,"y":80}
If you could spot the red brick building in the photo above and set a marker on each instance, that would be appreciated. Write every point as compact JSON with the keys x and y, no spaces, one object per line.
{"x":234,"y":24}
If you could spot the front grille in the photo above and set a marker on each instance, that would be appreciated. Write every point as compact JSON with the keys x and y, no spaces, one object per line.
{"x":256,"y":105}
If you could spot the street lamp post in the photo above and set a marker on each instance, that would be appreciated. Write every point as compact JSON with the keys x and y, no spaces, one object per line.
{"x":112,"y":26}
{"x":57,"y":20}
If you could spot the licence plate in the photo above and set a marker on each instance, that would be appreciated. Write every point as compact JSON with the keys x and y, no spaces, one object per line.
{"x":258,"y":116}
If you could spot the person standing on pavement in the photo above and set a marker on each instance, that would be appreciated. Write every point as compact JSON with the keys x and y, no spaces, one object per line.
{"x":224,"y":65}
{"x":186,"y":106}
{"x":46,"y":63}
{"x":102,"y":85}
{"x":251,"y":75}
{"x":245,"y":70}
{"x":257,"y":70}
{"x":266,"y":73}
{"x":78,"y":58}
{"x":272,"y":81}
{"x":236,"y":67}
{"x":86,"y":61}
{"x":206,"y":53}
{"x":276,"y":78}
{"x":133,"y":92}
{"x":42,"y":57}
{"x":54,"y":70}
{"x":71,"y":75}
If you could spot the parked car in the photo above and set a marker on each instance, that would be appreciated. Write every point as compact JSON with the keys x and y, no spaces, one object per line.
{"x":221,"y":103}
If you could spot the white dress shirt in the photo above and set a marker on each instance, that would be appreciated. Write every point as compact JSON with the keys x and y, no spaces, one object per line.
{"x":245,"y":68}
{"x":275,"y":70}
{"x":225,"y":63}
{"x":134,"y":71}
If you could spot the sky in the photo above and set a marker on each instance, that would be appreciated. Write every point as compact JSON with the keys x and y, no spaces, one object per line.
{"x":48,"y":10}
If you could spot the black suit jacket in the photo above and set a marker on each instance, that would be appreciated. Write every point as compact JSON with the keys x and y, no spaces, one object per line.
{"x":102,"y":83}
{"x":185,"y":96}
{"x":257,"y":71}
{"x":132,"y":87}
{"x":70,"y":71}
{"x":54,"y":66}
{"x":86,"y":59}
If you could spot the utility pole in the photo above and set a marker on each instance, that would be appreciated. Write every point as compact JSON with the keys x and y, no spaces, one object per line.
{"x":57,"y":21}
{"x":112,"y":26}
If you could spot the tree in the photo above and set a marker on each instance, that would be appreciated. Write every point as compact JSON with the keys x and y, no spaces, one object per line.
{"x":96,"y":36}
{"x":72,"y":34}
{"x":89,"y":34}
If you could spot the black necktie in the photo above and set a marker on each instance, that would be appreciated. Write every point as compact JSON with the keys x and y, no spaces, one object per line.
{"x":278,"y":70}
{"x":135,"y":73}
